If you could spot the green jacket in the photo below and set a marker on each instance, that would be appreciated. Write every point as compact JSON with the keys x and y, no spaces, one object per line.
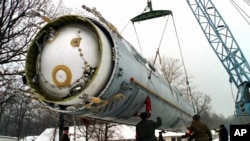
{"x":201,"y":131}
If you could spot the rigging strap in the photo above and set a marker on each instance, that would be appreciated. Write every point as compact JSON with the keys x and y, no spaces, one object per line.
{"x":185,"y":70}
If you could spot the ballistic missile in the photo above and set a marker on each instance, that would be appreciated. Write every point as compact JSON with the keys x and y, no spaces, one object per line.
{"x":81,"y":66}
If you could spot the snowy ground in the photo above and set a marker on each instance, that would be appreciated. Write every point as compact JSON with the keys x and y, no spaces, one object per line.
{"x":126,"y":132}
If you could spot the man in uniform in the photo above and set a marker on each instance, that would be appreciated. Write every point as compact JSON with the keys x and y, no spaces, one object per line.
{"x":145,"y":129}
{"x":200,"y":130}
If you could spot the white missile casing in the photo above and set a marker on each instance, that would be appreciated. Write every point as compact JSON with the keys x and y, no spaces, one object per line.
{"x":80,"y":66}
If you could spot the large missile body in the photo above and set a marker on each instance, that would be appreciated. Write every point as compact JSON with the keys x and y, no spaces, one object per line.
{"x":80,"y":66}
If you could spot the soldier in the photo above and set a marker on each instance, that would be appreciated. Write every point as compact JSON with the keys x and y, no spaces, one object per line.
{"x":145,"y":129}
{"x":200,"y":130}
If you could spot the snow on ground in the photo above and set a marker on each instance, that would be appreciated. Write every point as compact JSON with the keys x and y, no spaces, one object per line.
{"x":124,"y":132}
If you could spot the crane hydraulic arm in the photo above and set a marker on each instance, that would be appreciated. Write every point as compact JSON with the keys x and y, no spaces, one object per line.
{"x":226,"y":48}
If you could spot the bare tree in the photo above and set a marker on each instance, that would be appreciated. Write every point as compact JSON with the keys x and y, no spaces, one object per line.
{"x":202,"y":103}
{"x":39,"y":119}
{"x":173,"y":71}
{"x":15,"y":34}
{"x":92,"y":129}
{"x":15,"y":111}
{"x":19,"y":21}
{"x":21,"y":113}
{"x":17,"y":30}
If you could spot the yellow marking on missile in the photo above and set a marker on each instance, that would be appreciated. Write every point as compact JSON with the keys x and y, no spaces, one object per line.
{"x":46,"y":19}
{"x":75,"y":42}
{"x":157,"y":95}
{"x":67,"y":72}
{"x":96,"y":100}
{"x":103,"y":103}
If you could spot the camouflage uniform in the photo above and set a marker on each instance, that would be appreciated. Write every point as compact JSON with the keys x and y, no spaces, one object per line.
{"x":201,"y":131}
{"x":145,"y":130}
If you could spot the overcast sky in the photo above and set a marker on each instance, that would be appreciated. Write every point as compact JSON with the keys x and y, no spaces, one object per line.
{"x":201,"y":62}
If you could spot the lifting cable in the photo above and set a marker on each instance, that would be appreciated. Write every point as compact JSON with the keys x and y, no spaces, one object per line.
{"x":240,"y":10}
{"x":158,"y":54}
{"x":158,"y":49}
{"x":231,"y":86}
{"x":247,"y":2}
{"x":137,"y":37}
{"x":125,"y":26}
{"x":186,"y":75}
{"x":145,"y":17}
{"x":187,"y":82}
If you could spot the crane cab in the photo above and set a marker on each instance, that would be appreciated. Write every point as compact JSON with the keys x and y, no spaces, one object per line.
{"x":242,"y":104}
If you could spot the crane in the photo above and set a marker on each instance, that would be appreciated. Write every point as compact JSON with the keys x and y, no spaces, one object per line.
{"x":226,"y":48}
{"x":222,"y":42}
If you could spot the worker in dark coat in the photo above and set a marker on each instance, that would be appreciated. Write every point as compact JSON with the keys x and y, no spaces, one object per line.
{"x":160,"y":135}
{"x":65,"y":136}
{"x":200,"y":130}
{"x":223,"y":134}
{"x":145,"y":129}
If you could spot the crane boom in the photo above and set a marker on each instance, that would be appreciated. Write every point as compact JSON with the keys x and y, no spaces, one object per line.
{"x":222,"y":40}
{"x":226,"y":48}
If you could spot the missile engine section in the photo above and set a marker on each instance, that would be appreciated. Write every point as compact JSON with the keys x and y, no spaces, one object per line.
{"x":78,"y":65}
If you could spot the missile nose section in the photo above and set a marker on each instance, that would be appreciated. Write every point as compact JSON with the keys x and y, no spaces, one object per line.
{"x":71,"y":58}
{"x":68,"y":59}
